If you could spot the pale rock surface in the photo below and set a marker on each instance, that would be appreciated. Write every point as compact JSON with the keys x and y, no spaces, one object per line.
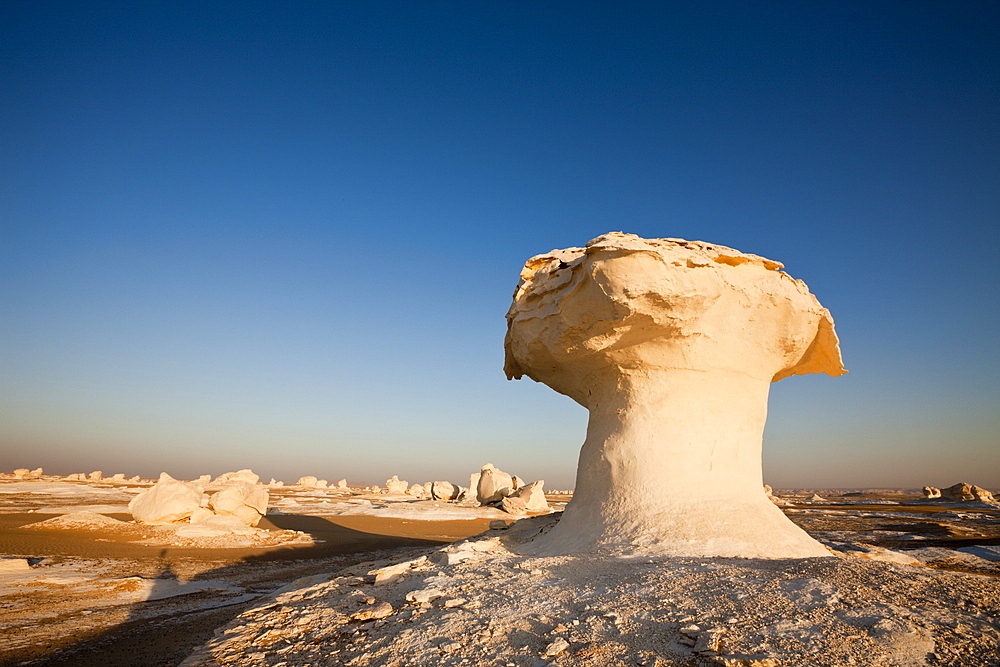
{"x":204,"y":480}
{"x":342,"y":484}
{"x":21,"y":473}
{"x":416,"y":490}
{"x":516,"y":482}
{"x":533,"y":496}
{"x":118,"y":477}
{"x":931,"y":492}
{"x":245,"y":475}
{"x":427,"y":489}
{"x":474,"y":482}
{"x":134,"y":478}
{"x":963,"y":492}
{"x":95,"y":476}
{"x":493,"y":485}
{"x":275,"y":483}
{"x":243,"y":499}
{"x":322,"y":484}
{"x":444,"y":491}
{"x":309,"y":481}
{"x":167,"y":501}
{"x":396,"y":486}
{"x":514,"y":505}
{"x":672,"y":346}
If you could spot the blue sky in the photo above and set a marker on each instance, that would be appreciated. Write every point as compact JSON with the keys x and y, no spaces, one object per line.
{"x":284,"y":235}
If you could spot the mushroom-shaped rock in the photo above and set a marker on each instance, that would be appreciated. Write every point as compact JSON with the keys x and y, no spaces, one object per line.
{"x":167,"y":501}
{"x":493,"y":485}
{"x":671,"y":345}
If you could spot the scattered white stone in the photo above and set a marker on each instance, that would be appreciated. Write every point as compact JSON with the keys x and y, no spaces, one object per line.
{"x":443,"y":491}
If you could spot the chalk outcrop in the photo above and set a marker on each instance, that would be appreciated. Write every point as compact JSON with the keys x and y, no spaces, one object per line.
{"x":396,"y":486}
{"x":244,"y":500}
{"x":672,"y":346}
{"x":168,"y":501}
{"x":493,"y":485}
{"x":963,"y":492}
{"x":931,"y":492}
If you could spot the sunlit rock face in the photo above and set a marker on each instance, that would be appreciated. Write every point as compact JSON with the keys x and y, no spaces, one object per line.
{"x":672,"y":346}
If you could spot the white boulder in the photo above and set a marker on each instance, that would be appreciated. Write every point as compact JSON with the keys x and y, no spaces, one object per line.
{"x":245,"y":475}
{"x":395,"y":486}
{"x":533,"y":496}
{"x":95,"y":476}
{"x":443,"y":491}
{"x":167,"y":501}
{"x":494,"y":485}
{"x":309,"y":481}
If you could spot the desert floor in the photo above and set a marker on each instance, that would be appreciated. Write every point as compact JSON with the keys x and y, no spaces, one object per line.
{"x":82,"y":585}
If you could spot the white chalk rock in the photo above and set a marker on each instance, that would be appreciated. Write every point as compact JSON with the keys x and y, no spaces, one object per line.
{"x":21,"y":473}
{"x":134,"y":478}
{"x":396,"y":486}
{"x":963,"y":492}
{"x":931,"y":492}
{"x":493,"y":485}
{"x":309,"y":481}
{"x":672,"y":346}
{"x":204,"y":480}
{"x":245,"y":475}
{"x":533,"y":496}
{"x":416,"y":490}
{"x":474,"y":481}
{"x":514,"y":505}
{"x":342,"y":484}
{"x":443,"y":491}
{"x":95,"y":476}
{"x":243,"y":499}
{"x":516,"y":482}
{"x":117,"y":477}
{"x":167,"y":501}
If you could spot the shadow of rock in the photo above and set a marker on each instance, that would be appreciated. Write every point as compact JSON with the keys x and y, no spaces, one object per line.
{"x":163,"y":629}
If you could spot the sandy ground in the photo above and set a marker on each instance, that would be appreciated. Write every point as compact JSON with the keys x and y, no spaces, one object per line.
{"x":914,"y":584}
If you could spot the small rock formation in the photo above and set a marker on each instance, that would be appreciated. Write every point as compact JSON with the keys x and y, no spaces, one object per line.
{"x":167,"y":501}
{"x":396,"y":486}
{"x":118,"y":477}
{"x":931,"y":492}
{"x":309,"y":481}
{"x":95,"y":476}
{"x":494,"y":485}
{"x":672,"y":346}
{"x":245,"y":475}
{"x":963,"y":492}
{"x":443,"y":491}
{"x":516,"y":482}
{"x":342,"y":484}
{"x":533,"y":496}
{"x":244,"y":500}
{"x":416,"y":490}
{"x":21,"y":473}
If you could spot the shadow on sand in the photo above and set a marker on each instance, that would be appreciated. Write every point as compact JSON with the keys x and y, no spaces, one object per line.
{"x":177,"y":616}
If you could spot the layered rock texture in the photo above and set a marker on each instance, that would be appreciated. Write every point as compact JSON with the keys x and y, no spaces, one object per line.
{"x":672,"y":346}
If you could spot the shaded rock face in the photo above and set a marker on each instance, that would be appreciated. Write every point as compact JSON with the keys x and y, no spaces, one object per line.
{"x":671,"y":345}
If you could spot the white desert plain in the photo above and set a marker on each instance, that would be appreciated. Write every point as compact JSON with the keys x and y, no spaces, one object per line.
{"x":670,"y":550}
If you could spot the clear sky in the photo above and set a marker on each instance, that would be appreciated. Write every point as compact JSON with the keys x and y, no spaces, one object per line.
{"x":284,"y":235}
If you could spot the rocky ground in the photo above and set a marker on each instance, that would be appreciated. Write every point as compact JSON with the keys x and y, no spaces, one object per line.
{"x":355,"y":579}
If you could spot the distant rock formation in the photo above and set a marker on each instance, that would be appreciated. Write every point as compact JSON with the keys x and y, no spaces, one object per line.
{"x":174,"y":501}
{"x":931,"y":492}
{"x":963,"y":492}
{"x":672,"y":346}
{"x":396,"y":486}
